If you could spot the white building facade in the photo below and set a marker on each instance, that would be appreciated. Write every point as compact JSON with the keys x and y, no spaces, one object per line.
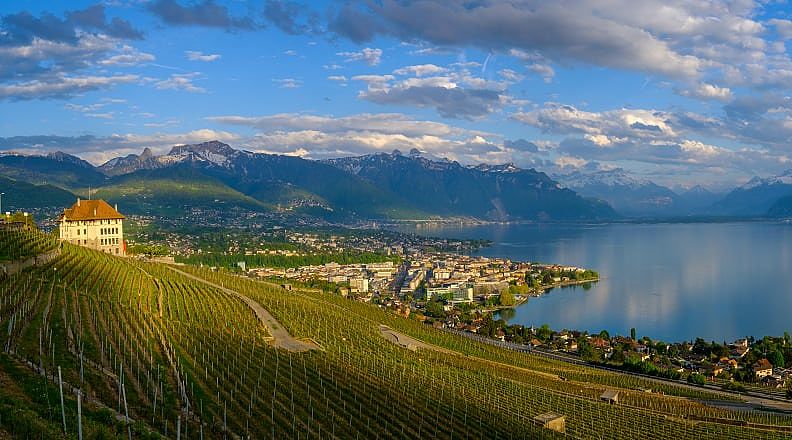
{"x":93,"y":224}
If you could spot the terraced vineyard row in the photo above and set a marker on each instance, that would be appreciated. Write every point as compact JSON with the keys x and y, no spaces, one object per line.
{"x":21,"y":244}
{"x":154,"y":353}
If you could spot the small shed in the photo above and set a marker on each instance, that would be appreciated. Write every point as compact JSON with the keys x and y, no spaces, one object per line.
{"x":286,"y":286}
{"x":552,"y":421}
{"x":610,"y":396}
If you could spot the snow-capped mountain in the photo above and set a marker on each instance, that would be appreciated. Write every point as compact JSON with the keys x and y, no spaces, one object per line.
{"x":756,"y":197}
{"x":784,"y":178}
{"x":629,"y":195}
{"x":213,"y":152}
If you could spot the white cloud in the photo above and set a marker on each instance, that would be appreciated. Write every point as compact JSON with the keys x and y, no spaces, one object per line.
{"x":565,"y":119}
{"x":62,"y":86}
{"x":707,"y":91}
{"x":368,"y":55}
{"x":288,"y":83}
{"x":193,"y":55}
{"x":180,"y":81}
{"x":420,"y":70}
{"x":129,"y":57}
{"x":388,"y":123}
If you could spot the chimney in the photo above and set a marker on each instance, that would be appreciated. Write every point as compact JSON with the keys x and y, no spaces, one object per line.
{"x":116,"y":207}
{"x":78,"y":201}
{"x":94,"y":212}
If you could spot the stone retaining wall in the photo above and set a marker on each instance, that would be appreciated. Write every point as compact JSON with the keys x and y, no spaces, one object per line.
{"x":11,"y":267}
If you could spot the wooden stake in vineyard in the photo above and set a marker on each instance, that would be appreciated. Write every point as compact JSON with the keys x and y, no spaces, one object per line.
{"x":63,"y":411}
{"x":79,"y":415}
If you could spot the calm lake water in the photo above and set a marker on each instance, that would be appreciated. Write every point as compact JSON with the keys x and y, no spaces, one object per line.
{"x":674,"y":282}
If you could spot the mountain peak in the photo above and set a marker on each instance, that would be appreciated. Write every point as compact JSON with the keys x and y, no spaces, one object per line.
{"x":784,"y":178}
{"x":214,"y":147}
{"x":508,"y":167}
{"x":60,"y":156}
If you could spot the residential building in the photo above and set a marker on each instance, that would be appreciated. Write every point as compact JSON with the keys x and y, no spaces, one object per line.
{"x":763,"y":368}
{"x":93,"y":224}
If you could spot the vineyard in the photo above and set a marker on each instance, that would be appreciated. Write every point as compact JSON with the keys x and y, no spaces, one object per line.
{"x":23,"y":243}
{"x":145,"y":350}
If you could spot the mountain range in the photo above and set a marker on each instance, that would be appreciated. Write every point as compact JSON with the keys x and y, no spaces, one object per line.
{"x":375,"y":186}
{"x":759,"y":196}
{"x":636,"y":197}
{"x":378,"y":186}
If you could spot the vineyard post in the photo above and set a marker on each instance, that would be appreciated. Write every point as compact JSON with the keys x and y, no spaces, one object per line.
{"x":79,"y":415}
{"x":126,"y":413}
{"x":63,"y":411}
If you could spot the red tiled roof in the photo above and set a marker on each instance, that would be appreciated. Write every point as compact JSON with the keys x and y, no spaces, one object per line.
{"x":763,"y":364}
{"x":91,"y":210}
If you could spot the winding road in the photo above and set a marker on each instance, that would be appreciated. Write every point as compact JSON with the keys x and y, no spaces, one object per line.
{"x":281,"y":337}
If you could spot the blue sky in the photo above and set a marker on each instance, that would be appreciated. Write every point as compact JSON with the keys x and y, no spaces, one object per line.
{"x":682,"y":93}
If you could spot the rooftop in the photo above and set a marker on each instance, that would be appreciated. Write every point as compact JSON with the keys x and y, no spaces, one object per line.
{"x":91,"y":210}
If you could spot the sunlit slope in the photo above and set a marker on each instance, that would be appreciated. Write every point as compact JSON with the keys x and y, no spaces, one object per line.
{"x":184,"y":353}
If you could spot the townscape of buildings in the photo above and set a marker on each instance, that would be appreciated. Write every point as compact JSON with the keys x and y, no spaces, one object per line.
{"x":457,"y":280}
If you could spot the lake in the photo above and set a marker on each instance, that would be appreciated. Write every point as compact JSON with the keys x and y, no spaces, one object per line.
{"x":671,"y":281}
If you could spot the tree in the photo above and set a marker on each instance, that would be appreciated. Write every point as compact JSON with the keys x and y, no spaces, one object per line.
{"x":507,"y":298}
{"x":632,"y":333}
{"x":544,"y":333}
{"x":789,"y":390}
{"x":435,"y":309}
{"x":586,"y":351}
{"x":604,"y":335}
{"x":697,"y":379}
{"x":778,"y":359}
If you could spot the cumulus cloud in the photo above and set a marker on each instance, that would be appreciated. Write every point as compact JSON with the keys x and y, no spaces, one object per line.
{"x":564,"y":119}
{"x":93,"y":17}
{"x":673,"y":139}
{"x":450,"y":102}
{"x":320,"y":136}
{"x":420,"y":70}
{"x":782,"y":26}
{"x":453,"y":93}
{"x":180,"y":81}
{"x":204,"y":13}
{"x":291,"y":17}
{"x":388,"y":123}
{"x":46,"y":56}
{"x":586,"y":31}
{"x":368,"y":55}
{"x":521,"y":145}
{"x":129,"y":56}
{"x":61,"y":86}
{"x":724,"y":41}
{"x":194,"y":55}
{"x":707,"y":91}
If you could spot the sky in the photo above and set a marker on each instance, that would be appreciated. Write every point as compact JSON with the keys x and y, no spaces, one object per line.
{"x":683,"y":93}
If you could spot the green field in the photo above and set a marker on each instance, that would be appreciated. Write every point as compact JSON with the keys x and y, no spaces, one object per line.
{"x":173,"y":351}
